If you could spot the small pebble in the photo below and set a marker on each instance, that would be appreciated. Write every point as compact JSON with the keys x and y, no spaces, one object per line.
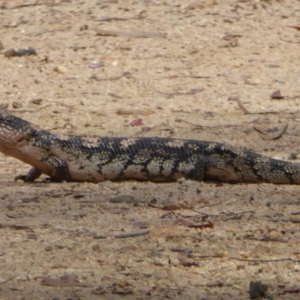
{"x":61,"y":69}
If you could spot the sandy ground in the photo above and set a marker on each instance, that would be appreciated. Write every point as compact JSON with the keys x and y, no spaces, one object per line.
{"x":202,"y":70}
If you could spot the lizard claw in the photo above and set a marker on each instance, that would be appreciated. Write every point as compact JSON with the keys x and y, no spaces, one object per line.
{"x":24,"y":178}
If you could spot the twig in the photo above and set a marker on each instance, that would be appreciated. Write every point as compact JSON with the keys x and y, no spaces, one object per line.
{"x":131,"y":33}
{"x":188,"y":76}
{"x":267,"y":239}
{"x":122,"y":235}
{"x":242,"y":107}
{"x":9,"y":279}
{"x":290,"y":291}
{"x":265,"y":260}
{"x":285,"y":220}
{"x":100,"y":236}
{"x":133,"y":234}
{"x":247,"y":112}
{"x":32,"y":111}
{"x":189,"y":224}
{"x":289,"y":41}
{"x":14,"y":226}
{"x":205,"y":214}
{"x":274,"y":136}
{"x":47,"y":281}
{"x":249,"y":260}
{"x":192,"y":92}
{"x":108,"y":19}
{"x":36,"y":3}
{"x":215,"y":284}
{"x":224,"y":213}
{"x":126,"y":74}
{"x":198,"y":126}
{"x":289,"y":230}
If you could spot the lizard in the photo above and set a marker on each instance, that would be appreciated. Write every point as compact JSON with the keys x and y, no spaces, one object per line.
{"x":77,"y":158}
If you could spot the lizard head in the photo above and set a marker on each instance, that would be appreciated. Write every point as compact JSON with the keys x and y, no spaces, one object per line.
{"x":22,"y":140}
{"x":13,"y":131}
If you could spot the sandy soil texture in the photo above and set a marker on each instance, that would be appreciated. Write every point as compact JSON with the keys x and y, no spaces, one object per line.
{"x":187,"y":69}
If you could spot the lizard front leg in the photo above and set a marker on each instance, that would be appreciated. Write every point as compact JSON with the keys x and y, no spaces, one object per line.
{"x":59,"y":170}
{"x":31,"y":176}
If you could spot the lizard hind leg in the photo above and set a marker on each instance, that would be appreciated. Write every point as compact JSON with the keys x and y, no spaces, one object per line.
{"x":218,"y":169}
{"x":192,"y":169}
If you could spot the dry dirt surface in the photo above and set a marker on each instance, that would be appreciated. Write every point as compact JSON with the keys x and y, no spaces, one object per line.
{"x":186,"y":69}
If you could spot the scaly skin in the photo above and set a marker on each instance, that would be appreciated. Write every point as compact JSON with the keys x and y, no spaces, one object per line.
{"x":75,"y":158}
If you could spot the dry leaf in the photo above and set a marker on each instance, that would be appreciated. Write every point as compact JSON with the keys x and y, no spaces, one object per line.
{"x":136,"y":122}
{"x":146,"y":128}
{"x":277,"y":95}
